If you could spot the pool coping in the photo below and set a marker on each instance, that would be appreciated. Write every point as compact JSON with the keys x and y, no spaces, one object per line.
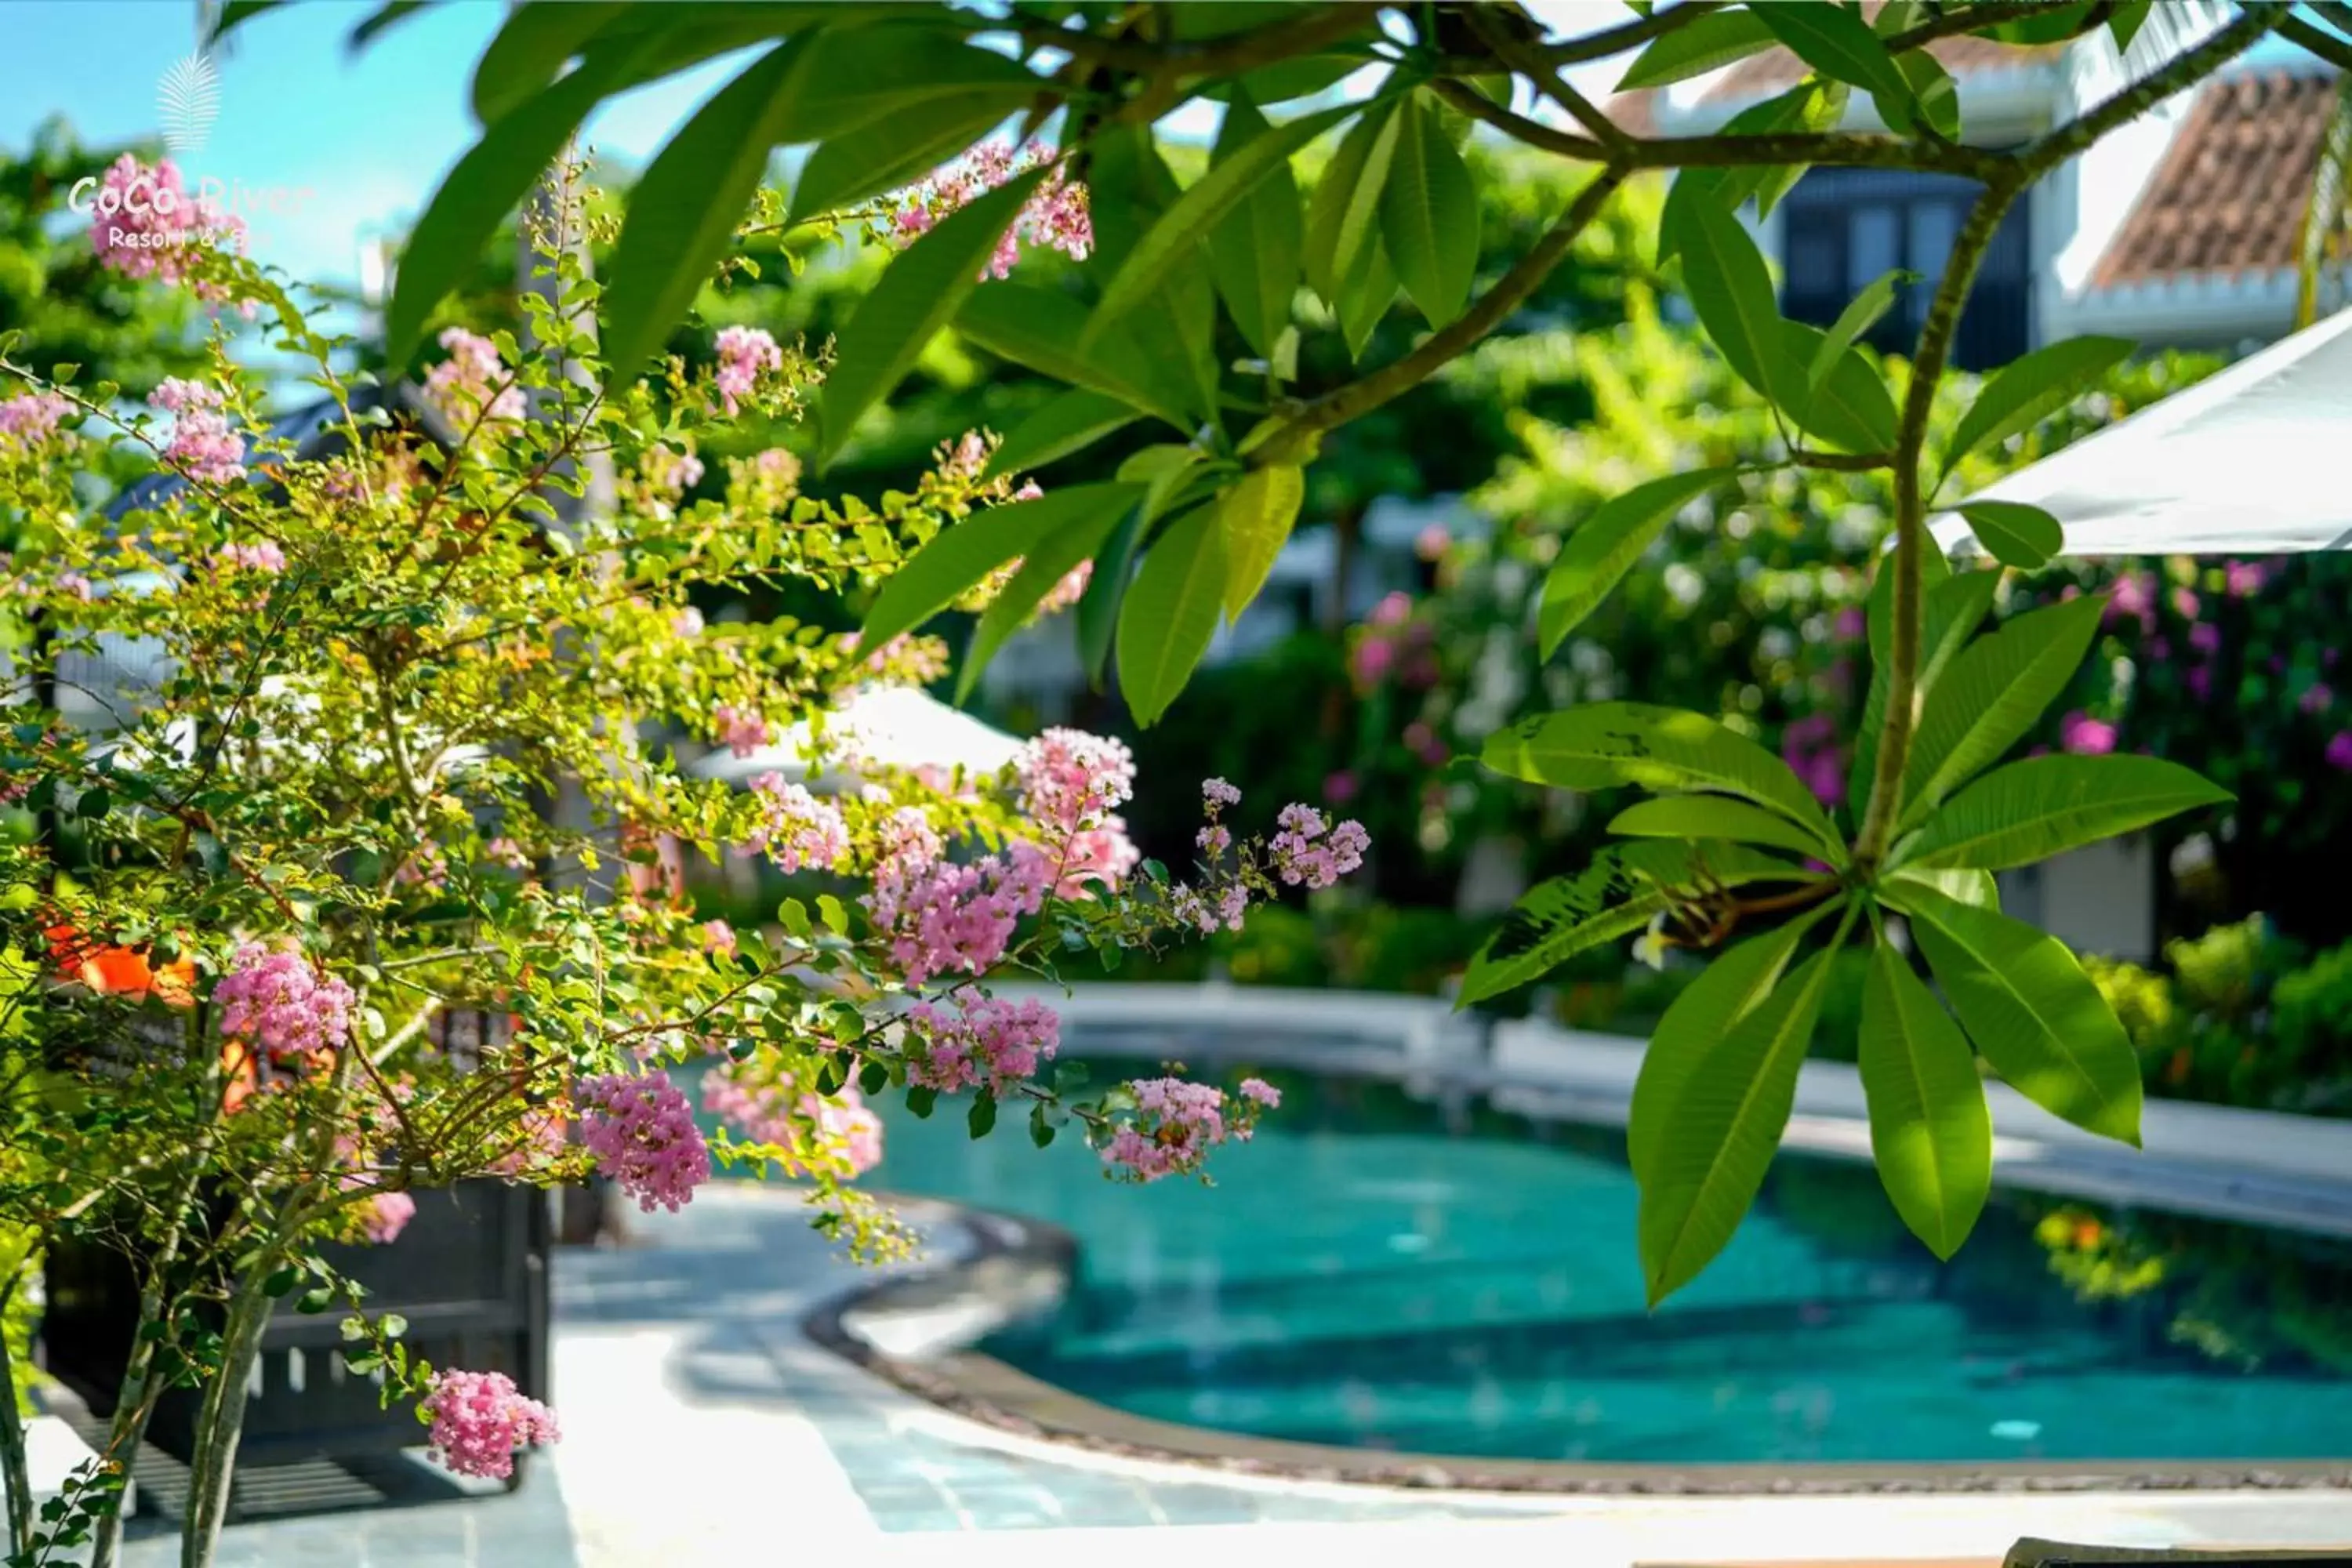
{"x":998,"y":1281}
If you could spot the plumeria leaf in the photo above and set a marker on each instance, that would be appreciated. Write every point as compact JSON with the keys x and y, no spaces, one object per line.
{"x":1840,"y":45}
{"x":1706,"y":43}
{"x":1171,"y":612}
{"x":1042,"y":570}
{"x":1599,"y":745}
{"x":2028,"y":390}
{"x":1341,"y":215}
{"x":1954,"y":609}
{"x":1930,"y":1130}
{"x":1254,"y":248}
{"x":899,"y":149}
{"x":2030,"y":1010}
{"x":1990,"y":695}
{"x":1602,"y":549}
{"x":1429,"y":215}
{"x":1067,"y":422}
{"x":1039,"y":327}
{"x":2013,"y":533}
{"x":919,"y":293}
{"x":1255,"y":517}
{"x":2031,"y":810}
{"x":1862,"y":314}
{"x":965,"y":552}
{"x":1718,"y":817}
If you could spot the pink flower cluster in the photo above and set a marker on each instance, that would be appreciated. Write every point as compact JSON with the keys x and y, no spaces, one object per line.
{"x":30,"y":418}
{"x":838,"y":1132}
{"x":202,"y":446}
{"x":1070,"y":780}
{"x":1177,"y":1123}
{"x":907,"y":658}
{"x":744,"y":352}
{"x":1220,"y":909}
{"x":287,"y":1007}
{"x":766,"y":482}
{"x":480,"y":1418}
{"x":1810,"y":746}
{"x":1067,"y":593}
{"x":382,"y":1217}
{"x":144,"y":224}
{"x":264,"y":556}
{"x":1391,"y":642}
{"x":944,"y":918}
{"x":1056,"y":216}
{"x":1304,"y":855}
{"x":673,"y":473}
{"x":641,"y":1129}
{"x":473,"y":383}
{"x":797,"y":829}
{"x":741,"y":730}
{"x":987,"y":1043}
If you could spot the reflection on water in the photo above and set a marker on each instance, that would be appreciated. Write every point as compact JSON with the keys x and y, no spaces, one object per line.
{"x":1360,"y":1276}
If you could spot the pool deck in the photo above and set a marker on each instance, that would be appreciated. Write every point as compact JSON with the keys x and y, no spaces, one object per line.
{"x":700,"y":1421}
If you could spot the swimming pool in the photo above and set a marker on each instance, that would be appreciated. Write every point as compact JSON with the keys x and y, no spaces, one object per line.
{"x":1364,"y":1276}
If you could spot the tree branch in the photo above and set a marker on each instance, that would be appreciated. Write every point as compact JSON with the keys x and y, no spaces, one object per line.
{"x":2335,"y":51}
{"x":1437,"y":349}
{"x":1970,"y":19}
{"x":2184,"y":70}
{"x":1631,"y":35}
{"x":1529,"y":62}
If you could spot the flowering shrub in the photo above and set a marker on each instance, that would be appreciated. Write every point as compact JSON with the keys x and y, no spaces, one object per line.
{"x":255,"y":887}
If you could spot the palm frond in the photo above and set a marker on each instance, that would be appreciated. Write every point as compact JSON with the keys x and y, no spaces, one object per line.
{"x":2327,"y":214}
{"x":188,"y":98}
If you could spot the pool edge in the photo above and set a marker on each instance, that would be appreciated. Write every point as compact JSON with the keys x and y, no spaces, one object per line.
{"x":982,"y":1388}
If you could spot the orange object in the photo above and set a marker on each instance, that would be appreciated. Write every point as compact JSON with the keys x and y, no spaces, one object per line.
{"x":112,"y":971}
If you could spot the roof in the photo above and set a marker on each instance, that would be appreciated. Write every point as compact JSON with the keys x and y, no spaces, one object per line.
{"x":1775,"y":70}
{"x":2229,"y":196}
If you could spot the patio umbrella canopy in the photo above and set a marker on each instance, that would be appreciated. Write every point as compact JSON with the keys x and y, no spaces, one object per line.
{"x":901,"y":726}
{"x":2248,"y":462}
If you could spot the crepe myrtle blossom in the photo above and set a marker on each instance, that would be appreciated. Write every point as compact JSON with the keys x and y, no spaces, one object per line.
{"x":478,"y":1419}
{"x":1070,"y":780}
{"x":473,"y":384}
{"x":1176,"y":1122}
{"x":274,"y":997}
{"x":2086,"y":736}
{"x":30,"y":418}
{"x":740,"y":731}
{"x":985,"y":1042}
{"x":1304,"y":855}
{"x":745,"y":354}
{"x":379,"y":1220}
{"x":946,"y":918}
{"x":203,"y":445}
{"x":263,"y":556}
{"x":145,"y":223}
{"x":641,"y":1132}
{"x":834,"y":1132}
{"x":1055,"y":216}
{"x":796,"y":829}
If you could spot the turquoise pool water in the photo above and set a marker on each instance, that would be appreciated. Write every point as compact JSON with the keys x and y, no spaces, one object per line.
{"x":1362,"y":1275}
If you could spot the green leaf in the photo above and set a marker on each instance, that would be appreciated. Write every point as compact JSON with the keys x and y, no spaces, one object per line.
{"x":982,"y":1118}
{"x":1695,"y":1023}
{"x":1851,"y":408}
{"x":1812,"y":105}
{"x":861,"y":76}
{"x":1340,"y":213}
{"x":1976,"y":888}
{"x":1364,"y":299}
{"x":964,"y":553}
{"x":1861,"y":315}
{"x":2031,"y":389}
{"x":1285,"y":80}
{"x":1105,"y":595}
{"x":1933,"y":90}
{"x":2126,"y":20}
{"x":1709,"y":1159}
{"x":1039,"y":327}
{"x":1171,"y":612}
{"x":1067,"y":422}
{"x":1597,"y":745}
{"x":2030,"y":1010}
{"x":1840,"y":45}
{"x":1953,"y":608}
{"x":1728,"y":284}
{"x":487,"y":183}
{"x":1429,"y":215}
{"x":2013,"y":533}
{"x":918,"y":294}
{"x":1255,"y":517}
{"x":1929,"y":1129}
{"x":1718,"y":817}
{"x":1171,"y":242}
{"x":530,"y":49}
{"x":1614,"y":896}
{"x":682,"y":214}
{"x":1044,"y":566}
{"x":1041,"y":1129}
{"x":921,"y":1100}
{"x":1254,"y":248}
{"x":1990,"y":696}
{"x":899,"y":149}
{"x":1708,"y":43}
{"x":1602,"y":549}
{"x":2043,"y":806}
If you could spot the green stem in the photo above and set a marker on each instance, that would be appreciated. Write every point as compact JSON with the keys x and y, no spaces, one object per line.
{"x":15,"y":1470}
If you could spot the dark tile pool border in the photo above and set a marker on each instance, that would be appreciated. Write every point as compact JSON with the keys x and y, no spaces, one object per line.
{"x":982,"y":1388}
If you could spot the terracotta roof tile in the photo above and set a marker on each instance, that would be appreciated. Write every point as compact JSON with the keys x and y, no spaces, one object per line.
{"x":2229,"y":196}
{"x":1759,"y":76}
{"x":1634,"y":112}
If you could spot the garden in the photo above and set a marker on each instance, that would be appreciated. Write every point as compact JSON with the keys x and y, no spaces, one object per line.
{"x":384,"y":845}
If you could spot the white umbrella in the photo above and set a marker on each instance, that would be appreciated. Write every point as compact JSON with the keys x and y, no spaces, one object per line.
{"x":901,"y":726}
{"x":2250,"y":462}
